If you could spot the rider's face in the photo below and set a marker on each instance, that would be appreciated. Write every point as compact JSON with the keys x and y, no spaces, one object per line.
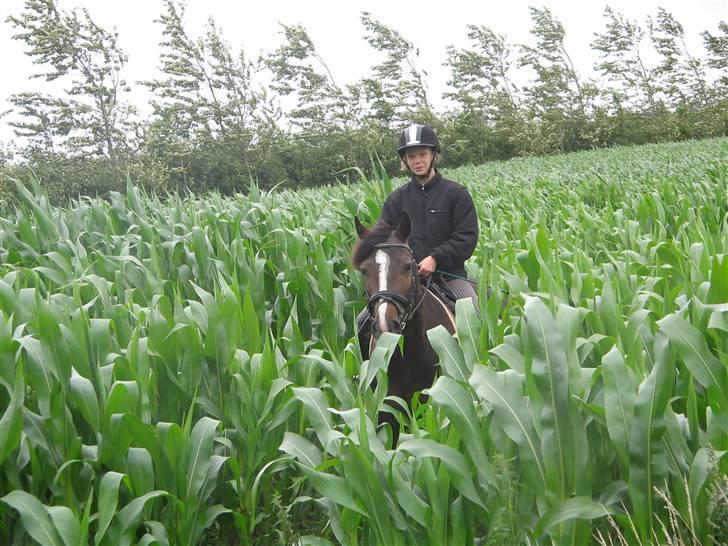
{"x":419,"y":160}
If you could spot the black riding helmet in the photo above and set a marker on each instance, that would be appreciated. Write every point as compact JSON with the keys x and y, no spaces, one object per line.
{"x":415,"y":136}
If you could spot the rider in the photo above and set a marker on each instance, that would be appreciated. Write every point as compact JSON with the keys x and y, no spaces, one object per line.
{"x":444,"y":220}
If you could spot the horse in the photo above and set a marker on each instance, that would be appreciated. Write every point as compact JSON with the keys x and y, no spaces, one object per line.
{"x":399,"y":303}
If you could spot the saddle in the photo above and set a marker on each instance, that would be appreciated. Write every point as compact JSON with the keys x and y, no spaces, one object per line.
{"x":439,"y":287}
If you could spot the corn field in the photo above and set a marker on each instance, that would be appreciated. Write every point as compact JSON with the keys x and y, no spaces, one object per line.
{"x":185,"y":370}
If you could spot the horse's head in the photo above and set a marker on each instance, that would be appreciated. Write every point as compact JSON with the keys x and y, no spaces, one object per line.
{"x":390,"y":270}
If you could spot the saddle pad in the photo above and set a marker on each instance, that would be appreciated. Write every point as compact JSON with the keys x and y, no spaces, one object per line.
{"x":449,"y":308}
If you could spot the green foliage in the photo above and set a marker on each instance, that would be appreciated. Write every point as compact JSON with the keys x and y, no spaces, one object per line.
{"x":680,"y":77}
{"x":184,"y":370}
{"x":89,"y":119}
{"x":222,"y":119}
{"x":396,"y":88}
{"x":622,"y":63}
{"x":717,"y":48}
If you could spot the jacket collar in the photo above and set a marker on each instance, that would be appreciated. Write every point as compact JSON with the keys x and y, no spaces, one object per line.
{"x":431,"y":184}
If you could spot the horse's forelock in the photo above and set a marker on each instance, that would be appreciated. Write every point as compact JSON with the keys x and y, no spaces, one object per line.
{"x":365,"y":246}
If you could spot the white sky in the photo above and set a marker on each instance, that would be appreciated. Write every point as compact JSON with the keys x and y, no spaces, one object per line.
{"x":337,"y":33}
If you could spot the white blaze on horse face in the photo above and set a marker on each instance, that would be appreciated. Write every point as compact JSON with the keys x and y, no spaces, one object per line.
{"x":382,"y":259}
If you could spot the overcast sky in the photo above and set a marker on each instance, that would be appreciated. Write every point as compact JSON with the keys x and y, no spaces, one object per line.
{"x":336,"y":31}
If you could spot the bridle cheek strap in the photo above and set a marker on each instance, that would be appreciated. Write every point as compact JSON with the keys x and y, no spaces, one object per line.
{"x":405,"y":306}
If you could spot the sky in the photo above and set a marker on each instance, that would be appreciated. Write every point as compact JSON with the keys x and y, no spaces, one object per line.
{"x":337,"y":33}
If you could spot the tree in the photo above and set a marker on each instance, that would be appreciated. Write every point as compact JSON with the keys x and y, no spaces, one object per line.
{"x":301,"y":73}
{"x":717,"y":48}
{"x":680,"y":76}
{"x":89,"y":119}
{"x":395,"y":92}
{"x":324,"y":140}
{"x":480,"y":77}
{"x":488,"y":103}
{"x":205,"y":106}
{"x":622,"y":64}
{"x":558,"y":97}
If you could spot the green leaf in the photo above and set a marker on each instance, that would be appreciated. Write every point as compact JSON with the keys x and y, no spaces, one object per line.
{"x":66,"y":524}
{"x":702,"y":471}
{"x":510,"y":355}
{"x":108,"y":499}
{"x":369,"y":489}
{"x":646,"y":433}
{"x":710,"y":372}
{"x":84,"y":396}
{"x":251,"y":328}
{"x":620,"y":393}
{"x":718,"y":292}
{"x":569,"y":509}
{"x":301,"y":449}
{"x":128,"y":519}
{"x":34,"y":517}
{"x":379,"y":359}
{"x":315,"y":541}
{"x":468,"y":328}
{"x":504,"y":391}
{"x":411,"y":503}
{"x":451,"y":458}
{"x":42,"y":371}
{"x":316,"y":408}
{"x":551,"y":375}
{"x":157,"y":533}
{"x":11,"y":423}
{"x":140,"y":470}
{"x":451,"y":356}
{"x":332,"y":487}
{"x":122,"y":398}
{"x":199,"y":452}
{"x":458,"y":406}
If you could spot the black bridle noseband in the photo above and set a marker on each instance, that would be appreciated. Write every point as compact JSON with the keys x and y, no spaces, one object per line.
{"x":406,"y":306}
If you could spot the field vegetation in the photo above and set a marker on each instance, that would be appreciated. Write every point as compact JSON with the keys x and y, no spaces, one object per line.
{"x":183,"y":369}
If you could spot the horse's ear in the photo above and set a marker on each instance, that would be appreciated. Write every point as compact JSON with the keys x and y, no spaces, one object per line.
{"x":360,"y":229}
{"x":404,"y":227}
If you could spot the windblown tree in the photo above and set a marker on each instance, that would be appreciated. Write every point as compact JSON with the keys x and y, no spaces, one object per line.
{"x":621,"y":63}
{"x":205,"y":106}
{"x":487,"y":99}
{"x":558,"y":98}
{"x":88,"y":118}
{"x":680,"y":76}
{"x":717,"y":59}
{"x":320,"y":142}
{"x":395,"y":91}
{"x":481,"y":76}
{"x":301,"y":74}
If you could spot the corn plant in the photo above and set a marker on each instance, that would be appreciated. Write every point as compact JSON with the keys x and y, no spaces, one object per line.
{"x":184,"y":369}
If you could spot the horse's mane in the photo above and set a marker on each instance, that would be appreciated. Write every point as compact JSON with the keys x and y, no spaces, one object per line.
{"x":364,"y":247}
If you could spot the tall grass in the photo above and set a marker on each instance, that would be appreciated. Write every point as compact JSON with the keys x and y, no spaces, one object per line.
{"x":183,"y":370}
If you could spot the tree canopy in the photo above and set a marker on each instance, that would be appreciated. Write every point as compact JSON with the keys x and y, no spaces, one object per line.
{"x":222,"y":118}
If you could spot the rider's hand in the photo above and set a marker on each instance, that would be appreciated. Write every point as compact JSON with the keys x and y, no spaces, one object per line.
{"x":427,"y":266}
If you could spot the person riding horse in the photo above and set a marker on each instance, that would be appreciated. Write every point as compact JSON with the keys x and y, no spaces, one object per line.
{"x":443,"y":218}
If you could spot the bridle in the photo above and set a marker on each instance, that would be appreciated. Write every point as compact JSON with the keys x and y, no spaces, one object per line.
{"x":405,"y":306}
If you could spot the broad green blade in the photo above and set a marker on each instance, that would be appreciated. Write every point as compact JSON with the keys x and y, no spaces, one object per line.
{"x":35,"y":517}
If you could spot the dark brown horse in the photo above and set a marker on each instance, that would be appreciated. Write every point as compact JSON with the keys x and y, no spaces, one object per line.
{"x":400,"y":304}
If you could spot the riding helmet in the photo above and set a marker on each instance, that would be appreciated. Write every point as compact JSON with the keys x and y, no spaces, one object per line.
{"x":417,"y":135}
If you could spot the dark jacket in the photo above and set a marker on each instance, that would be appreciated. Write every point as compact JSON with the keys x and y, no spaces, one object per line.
{"x":444,"y":221}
